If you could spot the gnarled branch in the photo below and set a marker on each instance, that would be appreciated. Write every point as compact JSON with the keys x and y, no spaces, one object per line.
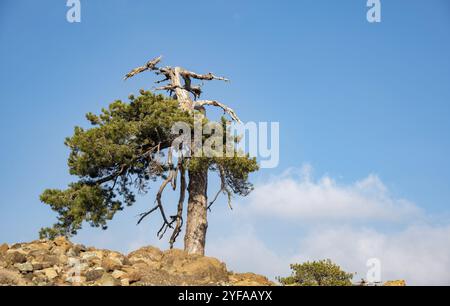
{"x":207,"y":77}
{"x":159,"y":205}
{"x":179,"y":216}
{"x":201,"y":103}
{"x":150,"y":65}
{"x":223,"y":189}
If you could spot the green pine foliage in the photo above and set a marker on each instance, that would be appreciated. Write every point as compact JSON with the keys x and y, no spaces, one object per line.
{"x":317,"y":273}
{"x":113,"y":161}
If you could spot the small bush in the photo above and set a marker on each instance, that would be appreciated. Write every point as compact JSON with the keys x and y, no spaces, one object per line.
{"x":317,"y":273}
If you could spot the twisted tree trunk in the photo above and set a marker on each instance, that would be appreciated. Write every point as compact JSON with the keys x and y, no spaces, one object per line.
{"x":197,"y":224}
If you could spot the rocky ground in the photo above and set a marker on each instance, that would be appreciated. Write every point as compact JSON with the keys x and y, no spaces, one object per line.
{"x":60,"y":262}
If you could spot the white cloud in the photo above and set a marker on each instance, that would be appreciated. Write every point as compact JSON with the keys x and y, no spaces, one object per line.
{"x":343,"y":225}
{"x":418,"y":254}
{"x":302,"y":198}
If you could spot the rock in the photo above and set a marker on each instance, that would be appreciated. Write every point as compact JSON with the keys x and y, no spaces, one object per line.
{"x":62,"y":241}
{"x":107,"y":281}
{"x":50,"y":261}
{"x":76,"y":280}
{"x":249,"y":279}
{"x":150,"y":256}
{"x":132,"y":274}
{"x":39,"y":246}
{"x":76,"y":267}
{"x":38,"y":254}
{"x":395,"y":283}
{"x":173,"y":259}
{"x":118,"y":274}
{"x":15,"y":257}
{"x":75,"y":250}
{"x":206,"y":269}
{"x":71,"y":253}
{"x":94,"y":274}
{"x":3,"y":249}
{"x":79,"y":248}
{"x":58,"y":268}
{"x":16,"y":246}
{"x":88,"y":256}
{"x":194,"y":269}
{"x":59,"y":262}
{"x":40,"y":280}
{"x":111,"y":264}
{"x":99,"y":253}
{"x":50,"y":273}
{"x":8,"y":277}
{"x":37,"y":266}
{"x":61,"y":250}
{"x":24,"y":267}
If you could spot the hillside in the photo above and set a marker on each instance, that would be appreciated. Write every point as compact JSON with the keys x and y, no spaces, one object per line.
{"x":60,"y":262}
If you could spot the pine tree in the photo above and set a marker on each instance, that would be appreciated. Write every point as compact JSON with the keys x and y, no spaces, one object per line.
{"x":120,"y":155}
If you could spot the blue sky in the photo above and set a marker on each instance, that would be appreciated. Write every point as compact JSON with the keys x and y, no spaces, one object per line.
{"x":353,"y":99}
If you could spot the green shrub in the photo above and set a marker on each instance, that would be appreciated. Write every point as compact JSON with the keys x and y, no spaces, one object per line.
{"x":317,"y":273}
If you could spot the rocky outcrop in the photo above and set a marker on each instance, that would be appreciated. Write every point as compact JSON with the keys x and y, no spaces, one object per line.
{"x":60,"y":262}
{"x":395,"y":283}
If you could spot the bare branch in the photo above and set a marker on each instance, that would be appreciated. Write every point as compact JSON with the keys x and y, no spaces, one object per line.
{"x":167,"y":87}
{"x":223,"y":189}
{"x":207,"y":77}
{"x":201,"y":103}
{"x":158,"y":198}
{"x":150,"y":65}
{"x":169,"y":179}
{"x":179,"y":215}
{"x":144,"y":215}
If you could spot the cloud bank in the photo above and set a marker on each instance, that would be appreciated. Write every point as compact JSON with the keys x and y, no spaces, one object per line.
{"x":349,"y":224}
{"x":297,"y":196}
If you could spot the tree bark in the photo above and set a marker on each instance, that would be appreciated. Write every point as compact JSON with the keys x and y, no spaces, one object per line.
{"x":197,"y":224}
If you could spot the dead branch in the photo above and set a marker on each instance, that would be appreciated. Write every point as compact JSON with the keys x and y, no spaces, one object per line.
{"x":159,"y":206}
{"x":150,"y":65}
{"x":179,"y":215}
{"x":167,"y":87}
{"x":144,"y":215}
{"x":223,"y":189}
{"x":207,"y":77}
{"x":201,"y":103}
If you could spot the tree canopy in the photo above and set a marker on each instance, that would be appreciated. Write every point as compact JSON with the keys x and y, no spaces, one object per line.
{"x":120,"y":154}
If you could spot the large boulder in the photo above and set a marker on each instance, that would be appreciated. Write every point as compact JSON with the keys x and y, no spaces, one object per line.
{"x":149,"y":256}
{"x":13,"y":257}
{"x":12,"y":278}
{"x":108,"y":281}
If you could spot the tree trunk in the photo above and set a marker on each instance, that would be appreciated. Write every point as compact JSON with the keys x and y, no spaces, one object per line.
{"x":197,"y":224}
